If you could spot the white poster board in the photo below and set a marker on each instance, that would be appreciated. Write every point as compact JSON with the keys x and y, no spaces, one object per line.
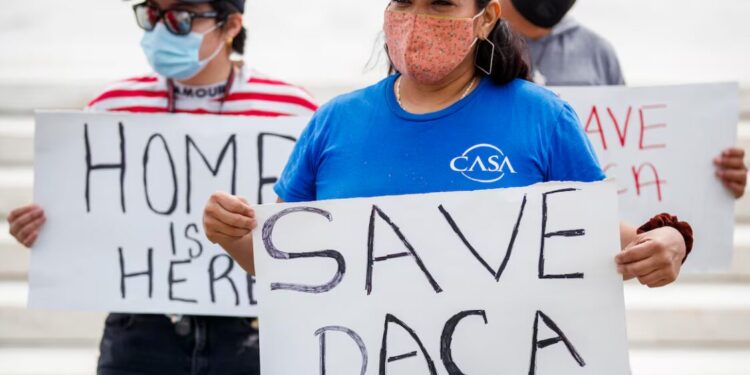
{"x":124,"y":197}
{"x":511,"y":281}
{"x":674,"y":131}
{"x":660,"y":143}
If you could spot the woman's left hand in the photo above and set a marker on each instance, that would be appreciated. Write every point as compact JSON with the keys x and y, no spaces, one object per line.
{"x":731,"y":169}
{"x":654,"y":257}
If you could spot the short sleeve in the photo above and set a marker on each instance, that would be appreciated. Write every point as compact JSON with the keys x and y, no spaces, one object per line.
{"x":298,"y":180}
{"x":571,"y":156}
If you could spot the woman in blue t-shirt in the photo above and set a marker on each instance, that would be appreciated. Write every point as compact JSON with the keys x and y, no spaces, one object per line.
{"x":458,"y":114}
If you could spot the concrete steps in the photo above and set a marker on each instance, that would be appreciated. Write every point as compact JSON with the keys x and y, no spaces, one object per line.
{"x":644,"y":361}
{"x":74,"y":360}
{"x":16,"y":188}
{"x":689,"y":314}
{"x":14,"y":258}
{"x":690,"y":361}
{"x":16,"y":140}
{"x":684,"y":314}
{"x":24,"y":327}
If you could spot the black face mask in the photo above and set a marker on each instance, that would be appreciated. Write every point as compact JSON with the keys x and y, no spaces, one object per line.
{"x":543,"y":13}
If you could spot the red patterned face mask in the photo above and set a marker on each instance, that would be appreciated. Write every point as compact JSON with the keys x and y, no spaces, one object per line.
{"x":428,"y":48}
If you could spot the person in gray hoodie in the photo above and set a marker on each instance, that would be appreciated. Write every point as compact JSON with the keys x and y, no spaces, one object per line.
{"x":562,"y":52}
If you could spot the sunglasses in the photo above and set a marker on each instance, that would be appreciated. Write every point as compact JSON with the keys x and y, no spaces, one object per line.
{"x":177,"y":21}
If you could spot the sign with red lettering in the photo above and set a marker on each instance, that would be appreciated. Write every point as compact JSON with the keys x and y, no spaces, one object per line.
{"x":659,"y":143}
{"x":509,"y":281}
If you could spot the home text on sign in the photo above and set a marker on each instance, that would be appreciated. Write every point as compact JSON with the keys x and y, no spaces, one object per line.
{"x":124,"y":197}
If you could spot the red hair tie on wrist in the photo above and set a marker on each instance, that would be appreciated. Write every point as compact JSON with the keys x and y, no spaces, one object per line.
{"x":667,"y":220}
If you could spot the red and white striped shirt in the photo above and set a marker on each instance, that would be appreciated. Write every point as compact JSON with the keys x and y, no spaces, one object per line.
{"x":251,"y":94}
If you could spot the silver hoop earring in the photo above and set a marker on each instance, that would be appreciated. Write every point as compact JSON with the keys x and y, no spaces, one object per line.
{"x":486,"y":70}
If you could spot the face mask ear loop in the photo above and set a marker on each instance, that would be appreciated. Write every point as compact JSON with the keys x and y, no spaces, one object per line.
{"x":212,"y":29}
{"x":218,"y":50}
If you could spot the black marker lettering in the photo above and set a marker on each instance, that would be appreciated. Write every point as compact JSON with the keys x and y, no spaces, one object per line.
{"x":212,"y":278}
{"x":564,"y":233}
{"x":93,"y":167}
{"x":537,"y":344}
{"x":190,"y":144}
{"x":266,"y":180}
{"x":385,"y":359}
{"x":402,"y":356}
{"x":171,"y":281}
{"x":371,"y":259}
{"x":278,"y":254}
{"x":149,"y":272}
{"x":446,"y":339}
{"x":496,"y":274}
{"x":171,"y":238}
{"x":146,"y":154}
{"x":353,"y":335}
{"x":199,"y":251}
{"x":251,"y":290}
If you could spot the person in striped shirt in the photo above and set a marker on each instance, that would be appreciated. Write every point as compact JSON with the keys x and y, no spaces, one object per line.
{"x":250,"y":94}
{"x":190,"y":44}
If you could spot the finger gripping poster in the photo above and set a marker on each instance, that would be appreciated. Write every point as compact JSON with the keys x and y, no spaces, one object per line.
{"x":512,"y":281}
{"x":660,"y":143}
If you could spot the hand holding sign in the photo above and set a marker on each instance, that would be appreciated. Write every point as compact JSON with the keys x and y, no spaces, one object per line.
{"x":654,"y":257}
{"x":659,"y":143}
{"x":228,"y":221}
{"x":25,"y":222}
{"x":732,"y":171}
{"x":514,"y":281}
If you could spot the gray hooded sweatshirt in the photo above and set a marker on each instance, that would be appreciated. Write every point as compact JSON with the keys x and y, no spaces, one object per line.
{"x":573,"y":55}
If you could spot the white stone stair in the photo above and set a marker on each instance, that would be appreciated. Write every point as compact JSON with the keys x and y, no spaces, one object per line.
{"x":690,"y":361}
{"x":16,"y":140}
{"x":25,"y":327}
{"x":742,"y":211}
{"x":644,"y":361}
{"x":16,"y":187}
{"x":683,"y":314}
{"x":45,"y":360}
{"x":14,"y":258}
{"x":689,"y":314}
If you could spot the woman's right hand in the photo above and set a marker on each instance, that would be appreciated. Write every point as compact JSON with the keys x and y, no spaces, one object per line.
{"x":25,"y":223}
{"x":228,"y":221}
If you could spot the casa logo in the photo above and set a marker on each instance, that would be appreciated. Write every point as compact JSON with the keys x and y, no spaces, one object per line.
{"x":483,"y":163}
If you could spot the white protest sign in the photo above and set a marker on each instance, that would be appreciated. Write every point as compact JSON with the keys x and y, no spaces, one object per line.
{"x":671,"y":131}
{"x":124,"y":197}
{"x":510,"y":281}
{"x":660,"y":144}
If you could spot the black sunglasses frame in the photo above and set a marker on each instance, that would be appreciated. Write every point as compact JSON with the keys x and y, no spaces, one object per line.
{"x":160,"y":15}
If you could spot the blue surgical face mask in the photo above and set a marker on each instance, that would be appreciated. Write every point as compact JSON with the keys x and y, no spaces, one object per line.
{"x":176,"y":56}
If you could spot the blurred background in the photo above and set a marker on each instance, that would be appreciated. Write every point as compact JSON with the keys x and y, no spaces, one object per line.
{"x":58,"y":54}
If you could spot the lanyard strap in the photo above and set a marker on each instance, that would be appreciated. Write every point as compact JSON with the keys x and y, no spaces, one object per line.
{"x":172,"y":99}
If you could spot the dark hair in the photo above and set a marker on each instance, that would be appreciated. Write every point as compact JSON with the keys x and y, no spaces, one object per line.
{"x":510,"y":60}
{"x":225,"y":9}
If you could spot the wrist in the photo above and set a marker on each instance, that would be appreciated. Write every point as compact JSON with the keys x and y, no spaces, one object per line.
{"x":666,"y":220}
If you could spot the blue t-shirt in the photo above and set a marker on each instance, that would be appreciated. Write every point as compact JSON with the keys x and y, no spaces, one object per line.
{"x":364,"y":144}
